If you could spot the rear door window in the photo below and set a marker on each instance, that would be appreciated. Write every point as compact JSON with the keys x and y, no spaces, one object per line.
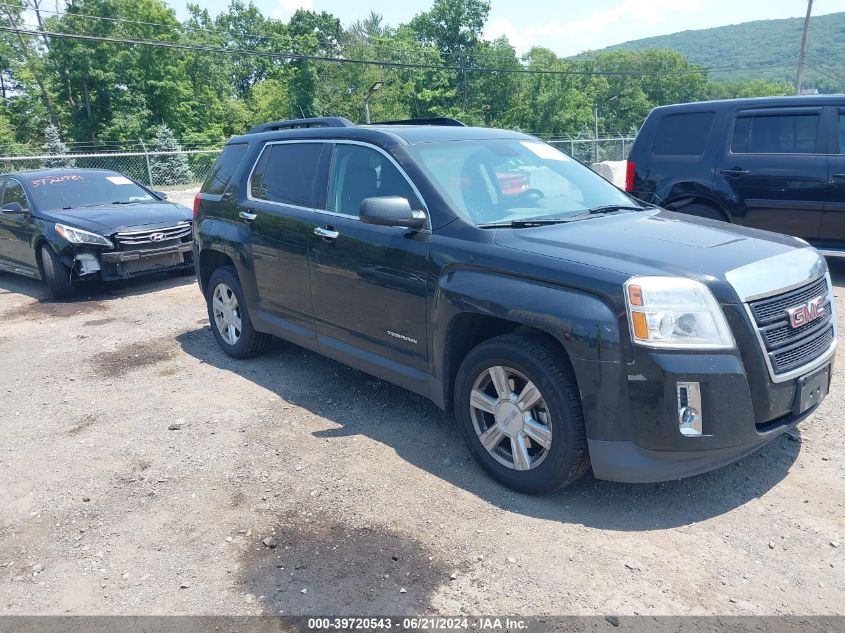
{"x":287,"y":173}
{"x":224,"y":169}
{"x":791,"y":133}
{"x":683,"y":134}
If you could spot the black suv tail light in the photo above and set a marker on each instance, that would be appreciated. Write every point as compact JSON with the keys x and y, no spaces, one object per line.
{"x":196,"y":206}
{"x":629,"y":176}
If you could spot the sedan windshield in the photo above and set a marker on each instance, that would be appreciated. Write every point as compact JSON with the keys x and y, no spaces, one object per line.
{"x":74,"y":190}
{"x":508,"y":181}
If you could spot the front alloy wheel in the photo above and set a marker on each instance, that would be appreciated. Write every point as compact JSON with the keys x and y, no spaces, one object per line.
{"x":227,"y":313}
{"x":517,"y":401}
{"x":511,"y":418}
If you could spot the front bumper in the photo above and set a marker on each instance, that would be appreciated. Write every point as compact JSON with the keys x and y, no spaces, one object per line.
{"x":627,"y":462}
{"x":113,"y":257}
{"x":115,"y":265}
{"x":648,"y":446}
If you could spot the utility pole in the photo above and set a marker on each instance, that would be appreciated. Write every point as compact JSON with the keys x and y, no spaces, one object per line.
{"x":803,"y":48}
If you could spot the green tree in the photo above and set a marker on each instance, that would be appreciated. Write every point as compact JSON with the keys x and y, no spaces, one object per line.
{"x":54,"y":146}
{"x":172,"y":169}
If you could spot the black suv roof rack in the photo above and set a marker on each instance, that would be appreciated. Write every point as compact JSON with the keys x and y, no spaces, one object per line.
{"x":323,"y":121}
{"x":437,"y":120}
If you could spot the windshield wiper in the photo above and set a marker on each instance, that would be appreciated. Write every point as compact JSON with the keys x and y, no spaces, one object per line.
{"x":521,"y":224}
{"x":610,"y":208}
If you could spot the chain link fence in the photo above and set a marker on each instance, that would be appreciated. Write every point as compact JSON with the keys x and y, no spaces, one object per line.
{"x":589,"y":150}
{"x":185,"y":169}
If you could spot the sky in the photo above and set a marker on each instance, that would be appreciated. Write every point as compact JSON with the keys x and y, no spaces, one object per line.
{"x":567,"y":27}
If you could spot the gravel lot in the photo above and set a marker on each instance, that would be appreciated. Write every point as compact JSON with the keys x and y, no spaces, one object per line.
{"x":144,"y":472}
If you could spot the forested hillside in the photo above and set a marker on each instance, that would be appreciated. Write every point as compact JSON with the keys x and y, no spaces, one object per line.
{"x":766,"y":49}
{"x":107,"y":72}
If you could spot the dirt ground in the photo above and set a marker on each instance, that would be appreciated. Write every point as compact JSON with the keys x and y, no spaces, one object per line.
{"x":144,"y":472}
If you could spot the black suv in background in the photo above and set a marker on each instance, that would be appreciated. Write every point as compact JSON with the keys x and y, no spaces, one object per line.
{"x":564,"y":323}
{"x":774,"y":163}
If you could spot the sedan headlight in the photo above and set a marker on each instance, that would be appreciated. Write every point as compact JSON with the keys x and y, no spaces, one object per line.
{"x":675,"y":313}
{"x":78,"y":236}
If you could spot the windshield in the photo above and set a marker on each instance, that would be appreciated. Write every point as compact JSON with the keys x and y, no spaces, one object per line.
{"x":510,"y":180}
{"x":86,"y":189}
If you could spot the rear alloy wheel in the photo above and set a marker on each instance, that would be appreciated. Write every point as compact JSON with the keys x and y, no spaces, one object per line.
{"x":227,"y":313}
{"x":518,"y":404}
{"x":229,"y":318}
{"x":55,"y":273}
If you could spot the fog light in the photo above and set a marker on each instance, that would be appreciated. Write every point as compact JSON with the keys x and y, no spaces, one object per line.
{"x":689,"y":409}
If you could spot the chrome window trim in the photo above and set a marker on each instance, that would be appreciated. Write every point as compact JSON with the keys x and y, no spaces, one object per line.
{"x":326,"y":211}
{"x":796,"y":268}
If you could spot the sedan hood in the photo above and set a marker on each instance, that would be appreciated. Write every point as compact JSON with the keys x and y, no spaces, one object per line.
{"x":110,"y":219}
{"x":653,"y":242}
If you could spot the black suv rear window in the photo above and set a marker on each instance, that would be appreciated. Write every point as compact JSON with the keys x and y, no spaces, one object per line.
{"x":683,"y":134}
{"x":287,"y":173}
{"x":775,"y":134}
{"x":224,"y":168}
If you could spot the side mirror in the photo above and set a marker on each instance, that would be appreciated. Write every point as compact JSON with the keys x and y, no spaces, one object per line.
{"x":391,"y":211}
{"x":161,"y":195}
{"x":13,"y":207}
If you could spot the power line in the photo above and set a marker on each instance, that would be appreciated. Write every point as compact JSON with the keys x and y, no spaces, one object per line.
{"x":343,"y":60}
{"x":275,"y":36}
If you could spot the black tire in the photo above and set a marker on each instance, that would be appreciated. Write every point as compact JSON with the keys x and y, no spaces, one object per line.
{"x":249,"y":341}
{"x":56,"y":274}
{"x":567,"y":457}
{"x":703,"y":211}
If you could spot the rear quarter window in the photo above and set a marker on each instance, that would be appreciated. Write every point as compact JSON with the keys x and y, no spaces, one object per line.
{"x":683,"y":134}
{"x":224,"y":169}
{"x":789,"y":133}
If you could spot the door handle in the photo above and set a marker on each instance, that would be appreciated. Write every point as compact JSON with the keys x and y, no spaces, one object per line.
{"x":734,"y":171}
{"x":839,"y":176}
{"x":327,"y":233}
{"x":246,"y":215}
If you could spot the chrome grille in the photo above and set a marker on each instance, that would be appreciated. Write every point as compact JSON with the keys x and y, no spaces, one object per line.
{"x":155,"y":237}
{"x":791,"y":348}
{"x":804,"y":352}
{"x":774,"y":308}
{"x":779,"y":334}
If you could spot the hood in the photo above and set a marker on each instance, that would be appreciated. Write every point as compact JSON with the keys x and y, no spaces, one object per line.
{"x":654,"y":242}
{"x":109,"y":219}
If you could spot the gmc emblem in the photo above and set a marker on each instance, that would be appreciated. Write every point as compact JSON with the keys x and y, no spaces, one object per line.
{"x":803,"y":314}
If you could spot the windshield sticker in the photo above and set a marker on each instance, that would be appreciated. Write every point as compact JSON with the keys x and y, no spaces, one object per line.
{"x":545,"y":151}
{"x":52,"y":180}
{"x":119,"y":180}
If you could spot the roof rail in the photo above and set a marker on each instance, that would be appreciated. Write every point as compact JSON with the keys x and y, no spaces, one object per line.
{"x":437,"y":120}
{"x":324,"y":121}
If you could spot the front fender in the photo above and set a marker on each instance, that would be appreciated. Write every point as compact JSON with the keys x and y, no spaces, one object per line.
{"x":583,"y":323}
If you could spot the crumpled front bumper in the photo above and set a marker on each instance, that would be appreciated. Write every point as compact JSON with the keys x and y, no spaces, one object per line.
{"x":127,"y":256}
{"x":136,"y":263}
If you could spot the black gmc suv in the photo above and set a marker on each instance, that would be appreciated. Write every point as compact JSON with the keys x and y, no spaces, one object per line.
{"x":774,"y":163}
{"x":564,"y":323}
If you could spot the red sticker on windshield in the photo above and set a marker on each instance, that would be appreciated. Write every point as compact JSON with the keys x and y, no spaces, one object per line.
{"x":52,"y":180}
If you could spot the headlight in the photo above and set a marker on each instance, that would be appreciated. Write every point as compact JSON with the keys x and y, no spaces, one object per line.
{"x":675,"y":313}
{"x":78,"y":236}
